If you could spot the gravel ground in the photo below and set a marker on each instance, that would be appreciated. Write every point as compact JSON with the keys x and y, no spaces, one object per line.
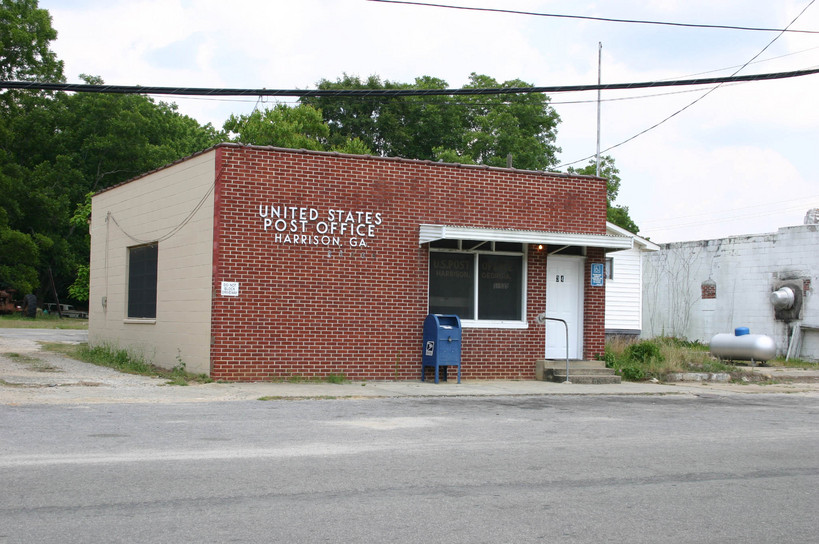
{"x":25,"y":365}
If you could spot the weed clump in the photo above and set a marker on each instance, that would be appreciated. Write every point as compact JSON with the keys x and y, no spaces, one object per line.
{"x":659,"y":357}
{"x":131,"y":363}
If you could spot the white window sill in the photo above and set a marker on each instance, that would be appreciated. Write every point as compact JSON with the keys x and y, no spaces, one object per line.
{"x":139,"y":321}
{"x":487,"y":324}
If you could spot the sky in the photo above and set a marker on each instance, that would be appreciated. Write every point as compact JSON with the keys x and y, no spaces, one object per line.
{"x":738,"y":160}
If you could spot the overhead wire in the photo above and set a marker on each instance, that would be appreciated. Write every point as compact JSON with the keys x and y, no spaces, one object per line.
{"x":174,"y":230}
{"x":735,"y":214}
{"x":590,"y":18}
{"x":551,"y":102}
{"x":652,"y":127}
{"x":200,"y":91}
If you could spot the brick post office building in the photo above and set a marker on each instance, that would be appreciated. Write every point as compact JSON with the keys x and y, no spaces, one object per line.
{"x":256,"y":263}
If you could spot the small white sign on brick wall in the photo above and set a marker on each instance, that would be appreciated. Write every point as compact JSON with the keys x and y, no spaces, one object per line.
{"x":230,"y":288}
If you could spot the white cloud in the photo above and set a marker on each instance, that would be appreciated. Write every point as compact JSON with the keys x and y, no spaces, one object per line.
{"x":740,"y":160}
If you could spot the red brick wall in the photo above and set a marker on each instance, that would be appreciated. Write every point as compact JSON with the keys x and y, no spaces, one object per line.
{"x":313,"y":310}
{"x":594,"y":310}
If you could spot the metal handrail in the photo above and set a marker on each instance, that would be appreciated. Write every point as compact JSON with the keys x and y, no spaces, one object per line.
{"x":540,"y":319}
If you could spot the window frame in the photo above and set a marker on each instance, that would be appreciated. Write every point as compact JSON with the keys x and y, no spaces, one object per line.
{"x":477,"y":248}
{"x":609,"y":268}
{"x":131,"y":290}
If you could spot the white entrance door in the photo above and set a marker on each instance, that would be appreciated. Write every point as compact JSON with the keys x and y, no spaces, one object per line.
{"x":564,"y":300}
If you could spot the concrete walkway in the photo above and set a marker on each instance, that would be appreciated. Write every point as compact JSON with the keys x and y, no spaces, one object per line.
{"x":29,"y":375}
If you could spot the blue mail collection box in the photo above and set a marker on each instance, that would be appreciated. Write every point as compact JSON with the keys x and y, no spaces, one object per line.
{"x":442,"y":344}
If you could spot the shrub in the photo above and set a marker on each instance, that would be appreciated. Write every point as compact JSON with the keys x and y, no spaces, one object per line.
{"x":644,"y":352}
{"x":632,"y":373}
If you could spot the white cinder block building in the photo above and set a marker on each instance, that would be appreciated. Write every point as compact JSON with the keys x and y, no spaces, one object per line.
{"x":695,"y":290}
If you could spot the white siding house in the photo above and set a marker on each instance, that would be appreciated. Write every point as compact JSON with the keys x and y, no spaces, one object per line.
{"x":624,"y":285}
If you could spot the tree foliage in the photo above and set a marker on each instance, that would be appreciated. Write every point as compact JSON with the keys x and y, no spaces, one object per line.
{"x":479,"y":129}
{"x":56,"y":148}
{"x":614,"y":214}
{"x":300,"y":127}
{"x":25,"y":37}
{"x":18,"y":259}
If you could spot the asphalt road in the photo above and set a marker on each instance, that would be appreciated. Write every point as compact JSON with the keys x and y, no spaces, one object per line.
{"x":579,"y":469}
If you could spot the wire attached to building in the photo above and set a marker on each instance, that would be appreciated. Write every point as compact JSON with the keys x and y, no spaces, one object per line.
{"x":175,"y":229}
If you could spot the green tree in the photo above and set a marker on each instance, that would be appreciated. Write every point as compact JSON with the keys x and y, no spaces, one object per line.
{"x":70,"y":145}
{"x":109,"y":138}
{"x":481,"y":129}
{"x":19,"y":256}
{"x":349,"y":117}
{"x":25,"y":37}
{"x":101,"y":140}
{"x":25,"y":55}
{"x":300,"y":127}
{"x":521,"y":125}
{"x":614,"y":214}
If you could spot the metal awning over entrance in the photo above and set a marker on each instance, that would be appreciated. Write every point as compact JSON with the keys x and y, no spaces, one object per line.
{"x":431,"y":233}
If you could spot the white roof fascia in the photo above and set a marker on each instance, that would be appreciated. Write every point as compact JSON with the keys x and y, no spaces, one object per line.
{"x":430,"y":233}
{"x":644,"y":244}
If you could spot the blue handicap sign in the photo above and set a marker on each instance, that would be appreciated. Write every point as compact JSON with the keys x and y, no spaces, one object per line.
{"x":597,"y":274}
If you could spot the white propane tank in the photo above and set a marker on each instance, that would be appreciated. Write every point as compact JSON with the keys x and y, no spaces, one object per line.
{"x":746,"y":347}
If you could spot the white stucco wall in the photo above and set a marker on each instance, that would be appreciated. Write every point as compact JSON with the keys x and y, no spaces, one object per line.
{"x":746,"y":270}
{"x":173,"y":206}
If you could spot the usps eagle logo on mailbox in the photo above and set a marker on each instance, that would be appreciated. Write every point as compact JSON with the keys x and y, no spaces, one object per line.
{"x":430,"y":349}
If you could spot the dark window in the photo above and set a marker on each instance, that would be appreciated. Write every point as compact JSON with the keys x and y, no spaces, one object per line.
{"x":477,"y":285}
{"x":452,"y":284}
{"x":500,"y":287}
{"x":142,"y":281}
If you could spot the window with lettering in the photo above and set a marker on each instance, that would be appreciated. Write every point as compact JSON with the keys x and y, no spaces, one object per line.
{"x":480,"y":282}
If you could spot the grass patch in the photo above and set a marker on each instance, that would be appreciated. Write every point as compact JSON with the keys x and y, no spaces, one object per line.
{"x":298,"y":378}
{"x":660,"y":357}
{"x":33,"y":363}
{"x":795,"y":363}
{"x":123,"y":361}
{"x":282,"y":397}
{"x":42,"y":322}
{"x":336,"y":378}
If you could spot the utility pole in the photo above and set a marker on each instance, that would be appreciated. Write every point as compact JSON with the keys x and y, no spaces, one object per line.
{"x":599,"y":82}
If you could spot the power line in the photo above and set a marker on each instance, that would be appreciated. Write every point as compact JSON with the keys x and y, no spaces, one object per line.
{"x":734,"y":214}
{"x":602,"y":19}
{"x":708,"y":92}
{"x":551,"y":102}
{"x":200,"y":91}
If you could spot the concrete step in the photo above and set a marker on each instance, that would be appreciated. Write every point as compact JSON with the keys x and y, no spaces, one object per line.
{"x":574,"y":371}
{"x":598,"y":377}
{"x":542,"y":365}
{"x":582,"y":372}
{"x":561,"y":363}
